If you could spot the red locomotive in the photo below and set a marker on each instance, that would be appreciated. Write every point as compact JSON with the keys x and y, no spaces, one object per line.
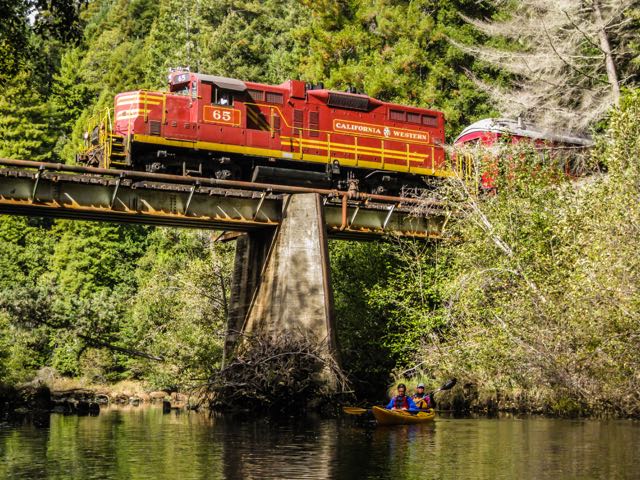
{"x":297,"y":133}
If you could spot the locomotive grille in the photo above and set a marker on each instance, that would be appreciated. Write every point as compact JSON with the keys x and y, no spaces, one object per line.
{"x":313,"y":124}
{"x":273,"y":97}
{"x":298,"y":121}
{"x":397,"y":115}
{"x":154,"y":127}
{"x":256,"y":95}
{"x":430,"y":120}
{"x":348,"y":101}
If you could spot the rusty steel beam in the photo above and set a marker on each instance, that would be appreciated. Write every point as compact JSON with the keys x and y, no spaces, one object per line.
{"x":213,"y":182}
{"x":64,"y":191}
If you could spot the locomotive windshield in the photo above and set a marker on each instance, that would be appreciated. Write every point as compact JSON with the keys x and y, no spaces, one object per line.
{"x":180,"y":89}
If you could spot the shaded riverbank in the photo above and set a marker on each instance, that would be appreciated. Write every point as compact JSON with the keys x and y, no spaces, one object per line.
{"x":39,"y":399}
{"x":129,"y":442}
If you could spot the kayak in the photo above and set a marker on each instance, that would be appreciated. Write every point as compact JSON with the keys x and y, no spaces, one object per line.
{"x":401,"y":417}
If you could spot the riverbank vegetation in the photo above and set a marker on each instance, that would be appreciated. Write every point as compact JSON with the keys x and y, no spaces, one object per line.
{"x":531,"y":301}
{"x":540,"y":304}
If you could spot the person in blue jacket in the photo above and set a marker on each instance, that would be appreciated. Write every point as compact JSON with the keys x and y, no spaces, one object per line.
{"x":402,"y":401}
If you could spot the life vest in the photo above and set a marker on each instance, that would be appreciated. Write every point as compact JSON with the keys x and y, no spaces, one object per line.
{"x":400,"y":402}
{"x":423,"y":402}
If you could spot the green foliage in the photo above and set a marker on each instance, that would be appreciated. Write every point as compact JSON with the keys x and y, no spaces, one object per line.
{"x":397,"y":51}
{"x":13,"y":38}
{"x":543,"y":294}
{"x":26,"y":129}
{"x":90,"y":256}
{"x":387,"y":302}
{"x":180,"y":307}
{"x":94,"y":286}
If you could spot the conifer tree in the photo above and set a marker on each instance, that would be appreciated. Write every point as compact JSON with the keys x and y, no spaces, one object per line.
{"x":26,"y":129}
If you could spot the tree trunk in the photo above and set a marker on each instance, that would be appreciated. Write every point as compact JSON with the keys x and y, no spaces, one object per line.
{"x":612,"y":74}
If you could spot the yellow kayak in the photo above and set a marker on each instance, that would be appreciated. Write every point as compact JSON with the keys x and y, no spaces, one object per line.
{"x":400,"y":417}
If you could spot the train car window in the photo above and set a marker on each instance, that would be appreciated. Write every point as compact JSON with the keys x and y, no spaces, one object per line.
{"x":194,"y":89}
{"x":430,"y":120}
{"x":314,"y":124}
{"x":397,"y":115}
{"x":298,"y":121}
{"x":273,"y":97}
{"x":276,"y":123}
{"x":413,"y":117}
{"x":256,"y":95}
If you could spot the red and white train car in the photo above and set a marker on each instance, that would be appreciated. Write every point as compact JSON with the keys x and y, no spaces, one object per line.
{"x":489,"y":131}
{"x":560,"y":147}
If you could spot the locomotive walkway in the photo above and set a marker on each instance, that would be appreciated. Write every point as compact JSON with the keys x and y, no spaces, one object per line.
{"x":281,"y":280}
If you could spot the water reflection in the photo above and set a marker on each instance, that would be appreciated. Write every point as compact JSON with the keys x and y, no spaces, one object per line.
{"x":137,"y":443}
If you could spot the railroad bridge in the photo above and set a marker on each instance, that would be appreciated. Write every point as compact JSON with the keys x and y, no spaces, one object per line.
{"x":281,"y":277}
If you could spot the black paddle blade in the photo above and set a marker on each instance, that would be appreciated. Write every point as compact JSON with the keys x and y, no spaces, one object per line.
{"x":449,"y":384}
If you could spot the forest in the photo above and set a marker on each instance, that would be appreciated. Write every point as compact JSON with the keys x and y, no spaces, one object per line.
{"x":532,"y":299}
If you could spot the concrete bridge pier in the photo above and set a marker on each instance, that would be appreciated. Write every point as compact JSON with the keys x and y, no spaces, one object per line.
{"x":281,"y":280}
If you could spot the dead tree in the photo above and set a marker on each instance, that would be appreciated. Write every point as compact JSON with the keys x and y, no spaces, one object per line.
{"x":568,"y":59}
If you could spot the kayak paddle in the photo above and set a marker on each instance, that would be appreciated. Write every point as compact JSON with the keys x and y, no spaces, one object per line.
{"x":448,"y":385}
{"x":355,"y":410}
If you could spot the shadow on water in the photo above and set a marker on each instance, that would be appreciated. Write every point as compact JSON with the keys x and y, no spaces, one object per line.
{"x":141,"y":443}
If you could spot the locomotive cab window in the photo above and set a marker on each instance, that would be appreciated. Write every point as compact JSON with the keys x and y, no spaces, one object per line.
{"x":186,"y":89}
{"x":222,"y":97}
{"x":180,"y":84}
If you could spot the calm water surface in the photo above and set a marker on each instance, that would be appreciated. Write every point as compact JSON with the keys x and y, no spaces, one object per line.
{"x":142,"y":443}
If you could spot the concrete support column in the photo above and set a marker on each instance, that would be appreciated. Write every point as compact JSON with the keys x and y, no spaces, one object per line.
{"x":282,"y":280}
{"x":251,"y":252}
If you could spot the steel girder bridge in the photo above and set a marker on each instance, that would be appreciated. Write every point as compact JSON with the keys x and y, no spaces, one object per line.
{"x":88,"y":193}
{"x":281,"y":278}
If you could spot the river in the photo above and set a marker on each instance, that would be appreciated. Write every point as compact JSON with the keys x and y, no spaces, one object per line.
{"x":142,"y":443}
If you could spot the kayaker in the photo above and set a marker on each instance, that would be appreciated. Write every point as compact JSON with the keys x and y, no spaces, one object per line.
{"x":402,"y":401}
{"x":423,"y":401}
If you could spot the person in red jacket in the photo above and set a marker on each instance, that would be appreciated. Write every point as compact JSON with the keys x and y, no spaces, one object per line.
{"x":402,"y":401}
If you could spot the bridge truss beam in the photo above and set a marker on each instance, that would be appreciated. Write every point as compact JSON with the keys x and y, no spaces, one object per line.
{"x":85,"y":193}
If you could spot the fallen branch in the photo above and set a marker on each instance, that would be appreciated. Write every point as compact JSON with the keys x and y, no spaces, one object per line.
{"x":275,"y":373}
